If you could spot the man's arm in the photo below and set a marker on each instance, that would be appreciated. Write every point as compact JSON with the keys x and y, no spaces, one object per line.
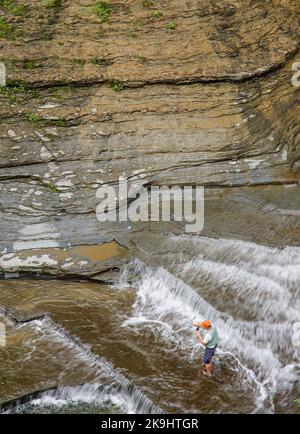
{"x":200,"y":338}
{"x":197,"y":324}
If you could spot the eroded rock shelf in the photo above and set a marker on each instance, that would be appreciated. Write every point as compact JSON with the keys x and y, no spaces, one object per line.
{"x":170,"y":93}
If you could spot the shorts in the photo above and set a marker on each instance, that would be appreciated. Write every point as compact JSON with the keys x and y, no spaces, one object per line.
{"x":209,"y":353}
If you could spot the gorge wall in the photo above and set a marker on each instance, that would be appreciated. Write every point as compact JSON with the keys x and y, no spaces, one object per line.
{"x":169,"y":93}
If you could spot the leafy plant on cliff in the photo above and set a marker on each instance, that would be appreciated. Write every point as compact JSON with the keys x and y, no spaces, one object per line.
{"x":13,"y":63}
{"x":13,"y":8}
{"x":29,"y":64}
{"x":32,"y":118}
{"x":37,"y":121}
{"x":157,"y":14}
{"x":13,"y":99}
{"x":6,"y":30}
{"x":171,"y":26}
{"x":117,"y":85}
{"x":102,"y":9}
{"x":13,"y":91}
{"x":16,"y":87}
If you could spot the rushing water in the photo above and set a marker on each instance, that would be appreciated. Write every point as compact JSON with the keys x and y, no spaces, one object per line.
{"x":131,"y":347}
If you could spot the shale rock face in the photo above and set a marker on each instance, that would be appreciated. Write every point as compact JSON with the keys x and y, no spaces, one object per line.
{"x":157,"y":41}
{"x":164,"y":92}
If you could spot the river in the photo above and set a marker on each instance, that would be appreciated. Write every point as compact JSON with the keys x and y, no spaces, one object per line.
{"x":85,"y":347}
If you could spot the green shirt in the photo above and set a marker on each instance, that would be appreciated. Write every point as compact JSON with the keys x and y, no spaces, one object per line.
{"x":211,"y":337}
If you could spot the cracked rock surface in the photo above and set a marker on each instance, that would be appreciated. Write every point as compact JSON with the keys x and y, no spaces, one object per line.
{"x":163,"y":93}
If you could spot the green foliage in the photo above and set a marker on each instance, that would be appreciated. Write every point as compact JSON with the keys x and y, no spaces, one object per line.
{"x":13,"y":8}
{"x":37,"y":121}
{"x":15,"y":90}
{"x":25,"y":64}
{"x":13,"y":99}
{"x":6,"y":90}
{"x":13,"y":63}
{"x":157,"y":14}
{"x":32,"y":118}
{"x":171,"y":26}
{"x":6,"y":30}
{"x":102,"y":9}
{"x":18,"y":89}
{"x":98,"y":61}
{"x":29,"y":64}
{"x":117,"y":85}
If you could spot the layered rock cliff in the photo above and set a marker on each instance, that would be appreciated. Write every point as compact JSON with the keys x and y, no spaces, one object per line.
{"x":170,"y":92}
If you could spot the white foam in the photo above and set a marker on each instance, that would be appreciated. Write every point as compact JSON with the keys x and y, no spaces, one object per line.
{"x":261,"y":347}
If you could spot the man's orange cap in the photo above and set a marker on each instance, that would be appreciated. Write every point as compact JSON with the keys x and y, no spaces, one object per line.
{"x":206,"y":324}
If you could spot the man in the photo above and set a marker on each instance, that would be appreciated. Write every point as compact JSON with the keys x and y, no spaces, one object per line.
{"x":210,"y":341}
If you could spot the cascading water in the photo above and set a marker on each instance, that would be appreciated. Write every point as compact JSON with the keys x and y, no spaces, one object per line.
{"x":131,"y":347}
{"x":89,"y":398}
{"x":256,"y":291}
{"x":118,"y":393}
